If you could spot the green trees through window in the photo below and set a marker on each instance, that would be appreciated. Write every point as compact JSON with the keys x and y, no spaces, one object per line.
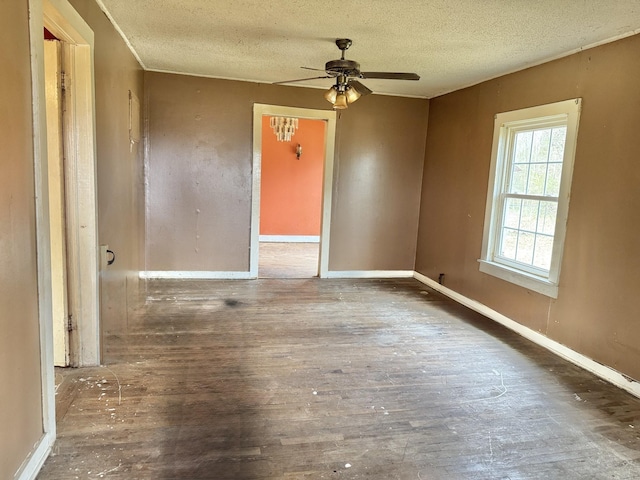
{"x":527,"y":202}
{"x":535,"y":169}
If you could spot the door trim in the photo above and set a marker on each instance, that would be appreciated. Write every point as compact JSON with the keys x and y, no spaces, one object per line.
{"x":80,"y":180}
{"x":67,"y":23}
{"x":259,"y":110}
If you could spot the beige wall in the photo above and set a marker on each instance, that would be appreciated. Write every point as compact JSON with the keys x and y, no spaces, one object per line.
{"x":119,"y":164}
{"x":20,"y":391}
{"x":120,"y":194}
{"x":200,"y":159}
{"x":199,"y":175}
{"x":596,"y":312}
{"x":377,"y":196}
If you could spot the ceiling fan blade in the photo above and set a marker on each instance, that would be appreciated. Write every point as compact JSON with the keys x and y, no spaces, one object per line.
{"x":314,"y":69}
{"x":299,"y":80}
{"x":359,"y":87}
{"x":390,"y":75}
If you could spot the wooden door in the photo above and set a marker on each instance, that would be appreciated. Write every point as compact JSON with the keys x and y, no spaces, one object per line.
{"x":57,"y":223}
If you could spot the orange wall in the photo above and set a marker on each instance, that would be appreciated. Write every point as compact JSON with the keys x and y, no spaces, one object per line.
{"x":291,"y":189}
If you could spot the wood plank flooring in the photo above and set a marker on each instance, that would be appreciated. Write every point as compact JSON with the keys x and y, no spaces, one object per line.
{"x":332,"y":379}
{"x":288,"y":260}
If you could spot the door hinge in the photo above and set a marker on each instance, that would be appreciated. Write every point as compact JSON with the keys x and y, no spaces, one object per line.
{"x":70,"y":323}
{"x":63,"y":83}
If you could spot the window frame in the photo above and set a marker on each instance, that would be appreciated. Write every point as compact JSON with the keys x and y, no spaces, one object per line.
{"x":506,"y":125}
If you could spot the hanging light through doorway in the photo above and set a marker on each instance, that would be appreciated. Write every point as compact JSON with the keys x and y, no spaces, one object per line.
{"x":283,"y":127}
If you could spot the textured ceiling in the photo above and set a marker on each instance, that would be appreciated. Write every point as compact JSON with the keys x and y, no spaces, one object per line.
{"x":449,"y":43}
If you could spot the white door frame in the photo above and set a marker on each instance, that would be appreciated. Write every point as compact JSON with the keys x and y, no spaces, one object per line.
{"x":80,"y":179}
{"x":259,"y":110}
{"x":64,"y":22}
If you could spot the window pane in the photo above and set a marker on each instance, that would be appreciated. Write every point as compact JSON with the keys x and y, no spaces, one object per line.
{"x":508,"y":243}
{"x":558,"y":137}
{"x":537,"y":177}
{"x":522,"y":149}
{"x":554,"y":173}
{"x":524,"y":251}
{"x":542,"y":254}
{"x":512,"y":212}
{"x":547,"y":218}
{"x":540,"y":147}
{"x":529,"y":217}
{"x":524,"y":201}
{"x":519,"y":179}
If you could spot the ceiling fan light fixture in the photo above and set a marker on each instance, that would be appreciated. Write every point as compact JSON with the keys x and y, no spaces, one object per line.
{"x":346,"y":73}
{"x":331,"y":94}
{"x":352,"y":94}
{"x":341,"y":102}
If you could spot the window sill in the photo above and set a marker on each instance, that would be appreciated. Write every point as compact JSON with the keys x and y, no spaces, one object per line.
{"x":526,"y":280}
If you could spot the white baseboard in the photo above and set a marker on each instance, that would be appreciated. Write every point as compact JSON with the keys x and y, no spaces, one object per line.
{"x":196,"y":275}
{"x":369,"y":274}
{"x":290,"y":238}
{"x":33,"y":463}
{"x":606,"y":373}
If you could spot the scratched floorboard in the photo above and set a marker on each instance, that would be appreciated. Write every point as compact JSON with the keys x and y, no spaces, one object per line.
{"x":332,"y":379}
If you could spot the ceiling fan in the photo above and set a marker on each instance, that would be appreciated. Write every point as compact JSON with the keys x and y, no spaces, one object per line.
{"x":347,"y":72}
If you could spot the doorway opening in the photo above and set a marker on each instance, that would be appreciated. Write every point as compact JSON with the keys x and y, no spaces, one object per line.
{"x":291,"y":197}
{"x":291,"y":194}
{"x":80,"y":203}
{"x":77,"y":180}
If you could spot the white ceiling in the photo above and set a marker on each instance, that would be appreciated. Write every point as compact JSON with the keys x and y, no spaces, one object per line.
{"x":449,"y":43}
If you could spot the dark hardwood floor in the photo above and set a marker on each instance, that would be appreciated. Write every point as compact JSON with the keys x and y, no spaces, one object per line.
{"x":333,"y":379}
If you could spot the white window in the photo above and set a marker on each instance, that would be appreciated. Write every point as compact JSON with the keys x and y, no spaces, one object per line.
{"x":528,"y":194}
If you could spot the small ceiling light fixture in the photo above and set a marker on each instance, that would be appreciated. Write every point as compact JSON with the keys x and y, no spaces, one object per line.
{"x":352,"y":94}
{"x":331,"y":94}
{"x":283,"y":127}
{"x":341,"y":102}
{"x":343,"y":93}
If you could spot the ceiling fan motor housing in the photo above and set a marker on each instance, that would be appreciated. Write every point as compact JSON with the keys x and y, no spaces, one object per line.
{"x":347,"y":68}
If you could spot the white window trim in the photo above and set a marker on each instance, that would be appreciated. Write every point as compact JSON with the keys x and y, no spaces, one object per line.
{"x":504,"y":123}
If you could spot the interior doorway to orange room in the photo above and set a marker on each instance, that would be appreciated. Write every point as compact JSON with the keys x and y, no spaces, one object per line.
{"x":293,"y":173}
